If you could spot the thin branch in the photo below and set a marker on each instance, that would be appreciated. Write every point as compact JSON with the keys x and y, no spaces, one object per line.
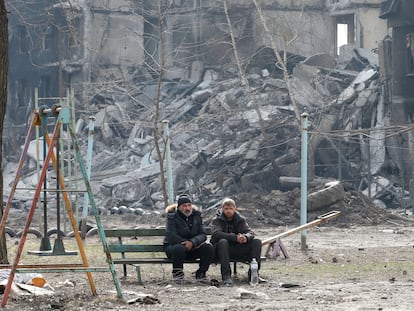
{"x":282,"y":61}
{"x":243,"y":78}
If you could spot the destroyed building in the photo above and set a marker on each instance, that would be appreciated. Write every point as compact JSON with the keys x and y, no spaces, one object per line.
{"x":56,"y":45}
{"x":233,"y":116}
{"x":398,"y":72}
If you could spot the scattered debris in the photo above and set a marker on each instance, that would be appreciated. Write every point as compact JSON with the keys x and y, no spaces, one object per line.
{"x":145,"y":299}
{"x":221,"y":146}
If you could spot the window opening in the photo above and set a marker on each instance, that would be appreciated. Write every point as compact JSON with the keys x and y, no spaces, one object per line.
{"x":344,"y":31}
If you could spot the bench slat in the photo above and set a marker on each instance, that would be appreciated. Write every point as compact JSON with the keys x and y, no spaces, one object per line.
{"x":136,"y":248}
{"x":139,"y":232}
{"x":150,"y":249}
{"x":134,"y":232}
{"x":131,"y":261}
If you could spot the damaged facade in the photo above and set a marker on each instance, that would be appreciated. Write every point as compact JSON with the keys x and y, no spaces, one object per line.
{"x":108,"y":52}
{"x":398,"y":74}
{"x":93,"y":45}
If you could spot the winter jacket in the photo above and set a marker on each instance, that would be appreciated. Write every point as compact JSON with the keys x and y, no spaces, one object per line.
{"x":223,"y":229}
{"x":181,"y":228}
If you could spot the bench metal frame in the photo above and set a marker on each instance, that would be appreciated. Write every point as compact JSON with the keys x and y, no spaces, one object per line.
{"x":137,"y":248}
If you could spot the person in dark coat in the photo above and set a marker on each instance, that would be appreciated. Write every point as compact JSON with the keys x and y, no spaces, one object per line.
{"x":185,"y":239}
{"x":233,"y":239}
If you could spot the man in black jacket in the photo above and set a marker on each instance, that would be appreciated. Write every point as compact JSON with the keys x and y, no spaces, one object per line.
{"x":185,"y":239}
{"x":233,"y":239}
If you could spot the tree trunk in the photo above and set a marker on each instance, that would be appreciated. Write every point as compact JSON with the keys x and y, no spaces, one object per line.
{"x":4,"y":38}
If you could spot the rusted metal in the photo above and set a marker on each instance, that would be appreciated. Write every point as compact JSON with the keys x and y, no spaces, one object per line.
{"x":30,"y":216}
{"x":34,"y":123}
{"x":72,"y":220}
{"x":63,"y":118}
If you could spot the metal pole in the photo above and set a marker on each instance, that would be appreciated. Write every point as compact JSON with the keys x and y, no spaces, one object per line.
{"x":30,"y":216}
{"x":39,"y":205}
{"x":168,"y":161}
{"x":88,"y":172}
{"x":369,"y":172}
{"x":304,"y":179}
{"x":340,"y":161}
{"x":412,"y":191}
{"x":75,"y":161}
{"x":60,"y":146}
{"x":96,"y":213}
{"x":35,"y":122}
{"x":45,"y":242}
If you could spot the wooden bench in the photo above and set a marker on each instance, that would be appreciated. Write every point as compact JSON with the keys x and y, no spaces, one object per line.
{"x":147,"y":248}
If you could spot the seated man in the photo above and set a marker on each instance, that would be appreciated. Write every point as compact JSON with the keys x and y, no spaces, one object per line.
{"x":185,"y":239}
{"x":233,"y":239}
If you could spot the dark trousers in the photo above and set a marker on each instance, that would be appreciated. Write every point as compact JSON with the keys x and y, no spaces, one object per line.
{"x":178,"y":254}
{"x":226,"y":251}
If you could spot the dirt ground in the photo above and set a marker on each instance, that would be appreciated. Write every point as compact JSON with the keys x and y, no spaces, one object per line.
{"x":364,"y":261}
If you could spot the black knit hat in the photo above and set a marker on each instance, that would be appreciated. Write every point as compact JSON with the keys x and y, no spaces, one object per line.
{"x":184,"y":198}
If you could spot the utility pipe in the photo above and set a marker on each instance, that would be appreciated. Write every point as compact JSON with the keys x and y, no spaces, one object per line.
{"x":88,"y":173}
{"x":168,"y":161}
{"x":304,"y":179}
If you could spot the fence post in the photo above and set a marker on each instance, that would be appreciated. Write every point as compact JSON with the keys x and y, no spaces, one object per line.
{"x":369,"y":172}
{"x":168,"y":161}
{"x":88,"y":174}
{"x":304,"y":179}
{"x":340,"y":161}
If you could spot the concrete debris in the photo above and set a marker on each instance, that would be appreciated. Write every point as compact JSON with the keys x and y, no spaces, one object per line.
{"x":243,"y":293}
{"x":146,"y":299}
{"x":227,"y":139}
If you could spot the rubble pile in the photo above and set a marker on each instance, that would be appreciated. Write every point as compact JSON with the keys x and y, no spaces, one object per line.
{"x":227,"y":140}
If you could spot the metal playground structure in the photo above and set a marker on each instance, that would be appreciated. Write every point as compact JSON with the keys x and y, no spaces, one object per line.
{"x":39,"y":118}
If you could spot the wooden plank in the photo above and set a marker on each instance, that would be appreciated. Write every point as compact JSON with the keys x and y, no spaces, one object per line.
{"x":131,"y":261}
{"x":321,"y":219}
{"x":63,"y":270}
{"x":136,"y":248}
{"x":138,"y":232}
{"x":134,"y":232}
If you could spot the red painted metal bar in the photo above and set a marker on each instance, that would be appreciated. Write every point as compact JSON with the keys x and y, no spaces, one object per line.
{"x":24,"y":268}
{"x":72,"y":221}
{"x":30,"y":215}
{"x":35,"y":121}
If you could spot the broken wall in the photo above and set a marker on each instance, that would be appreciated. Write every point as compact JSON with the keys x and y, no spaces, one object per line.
{"x":307,"y":31}
{"x":366,"y":29}
{"x":371,"y":29}
{"x":215,"y":32}
{"x":401,"y":22}
{"x":116,"y":36}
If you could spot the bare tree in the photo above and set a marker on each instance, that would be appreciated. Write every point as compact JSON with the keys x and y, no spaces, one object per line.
{"x":156,"y":134}
{"x":242,"y":75}
{"x":281,"y":59}
{"x":3,"y":101}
